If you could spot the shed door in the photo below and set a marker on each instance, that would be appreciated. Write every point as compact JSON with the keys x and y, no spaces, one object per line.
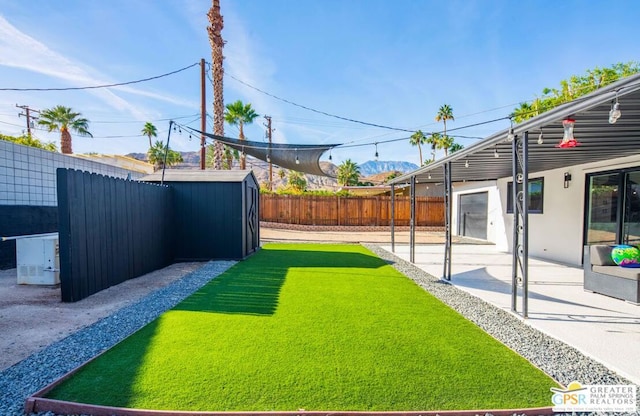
{"x":253,"y":220}
{"x":472,"y":215}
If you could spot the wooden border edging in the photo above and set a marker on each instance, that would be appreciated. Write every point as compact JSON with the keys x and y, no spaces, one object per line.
{"x":39,"y":404}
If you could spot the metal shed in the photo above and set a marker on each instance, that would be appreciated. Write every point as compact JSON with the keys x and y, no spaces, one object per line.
{"x":215,"y":213}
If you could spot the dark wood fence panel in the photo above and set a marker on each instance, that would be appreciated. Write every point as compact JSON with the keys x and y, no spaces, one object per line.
{"x":22,"y":220}
{"x":349,"y":211}
{"x":111,"y":230}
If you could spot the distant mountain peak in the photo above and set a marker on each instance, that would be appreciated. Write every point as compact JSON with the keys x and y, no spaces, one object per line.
{"x":374,"y":167}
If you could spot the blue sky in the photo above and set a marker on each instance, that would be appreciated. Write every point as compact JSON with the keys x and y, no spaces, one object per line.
{"x":385,"y":62}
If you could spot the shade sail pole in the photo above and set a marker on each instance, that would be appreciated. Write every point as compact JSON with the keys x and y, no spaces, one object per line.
{"x":412,"y":222}
{"x":393,"y":214}
{"x":446,"y":274}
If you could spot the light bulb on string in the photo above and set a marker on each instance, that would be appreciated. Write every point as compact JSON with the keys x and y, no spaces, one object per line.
{"x":615,"y":113}
{"x":495,"y":153}
{"x":466,"y":163}
{"x":297,"y":160}
{"x":376,"y":151}
{"x":540,"y":138}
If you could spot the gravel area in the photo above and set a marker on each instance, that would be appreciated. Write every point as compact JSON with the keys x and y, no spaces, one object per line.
{"x":40,"y":369}
{"x":560,"y":361}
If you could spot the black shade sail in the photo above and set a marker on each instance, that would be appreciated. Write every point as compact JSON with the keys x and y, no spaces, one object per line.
{"x":303,"y":158}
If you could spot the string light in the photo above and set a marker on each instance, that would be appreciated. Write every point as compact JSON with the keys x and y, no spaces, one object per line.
{"x":376,"y":151}
{"x":540,"y":137}
{"x":615,"y":113}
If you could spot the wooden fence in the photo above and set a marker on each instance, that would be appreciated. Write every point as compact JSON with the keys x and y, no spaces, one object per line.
{"x":111,"y":230}
{"x":349,"y":211}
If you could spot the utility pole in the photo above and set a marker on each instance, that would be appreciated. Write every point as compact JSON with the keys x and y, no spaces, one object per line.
{"x":268,"y":118}
{"x":27,"y":114}
{"x":203,"y":115}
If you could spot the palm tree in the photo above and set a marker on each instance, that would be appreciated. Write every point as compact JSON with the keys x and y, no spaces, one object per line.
{"x":230,"y":155}
{"x":418,"y":139}
{"x":455,"y":147}
{"x":445,"y":113}
{"x":216,"y":23}
{"x":156,"y":155}
{"x":63,"y":119}
{"x":239,"y":114}
{"x":297,"y":181}
{"x":433,"y":140}
{"x":348,"y":173}
{"x":445,"y":143}
{"x":150,"y":131}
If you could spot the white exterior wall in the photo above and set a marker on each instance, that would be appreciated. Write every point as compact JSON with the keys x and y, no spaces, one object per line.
{"x":557,"y":233}
{"x":28,"y":174}
{"x":495,"y":209}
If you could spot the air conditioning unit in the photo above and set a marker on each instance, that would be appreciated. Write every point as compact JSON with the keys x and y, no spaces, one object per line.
{"x":38,"y":260}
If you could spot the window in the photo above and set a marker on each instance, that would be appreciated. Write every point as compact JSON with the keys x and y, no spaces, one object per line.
{"x":536,"y":193}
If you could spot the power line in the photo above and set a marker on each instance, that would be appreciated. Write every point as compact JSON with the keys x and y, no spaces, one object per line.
{"x":320,"y":111}
{"x":102,"y":86}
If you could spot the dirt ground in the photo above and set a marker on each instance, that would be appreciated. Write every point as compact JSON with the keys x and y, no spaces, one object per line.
{"x":32,"y":317}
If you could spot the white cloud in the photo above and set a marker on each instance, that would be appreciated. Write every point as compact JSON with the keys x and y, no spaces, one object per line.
{"x":19,"y":50}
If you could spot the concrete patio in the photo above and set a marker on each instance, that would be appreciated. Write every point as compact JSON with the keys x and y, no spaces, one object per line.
{"x":601,"y":327}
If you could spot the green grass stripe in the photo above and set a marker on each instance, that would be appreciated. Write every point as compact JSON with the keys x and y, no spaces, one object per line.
{"x":315,"y":327}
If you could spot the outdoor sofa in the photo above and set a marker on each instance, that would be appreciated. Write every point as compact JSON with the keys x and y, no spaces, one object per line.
{"x":602,"y":275}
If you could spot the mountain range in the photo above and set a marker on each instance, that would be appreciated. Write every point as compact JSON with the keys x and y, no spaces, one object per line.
{"x":373,"y":171}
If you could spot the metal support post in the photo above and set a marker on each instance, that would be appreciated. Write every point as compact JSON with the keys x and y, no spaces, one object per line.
{"x":412,"y":222}
{"x":520,"y":243}
{"x":393,"y":215}
{"x":446,"y":274}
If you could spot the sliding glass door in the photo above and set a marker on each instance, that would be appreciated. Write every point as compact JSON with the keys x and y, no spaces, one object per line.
{"x":613,"y":208}
{"x":631,"y":223}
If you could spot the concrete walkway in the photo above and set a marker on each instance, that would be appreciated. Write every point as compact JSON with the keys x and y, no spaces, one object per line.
{"x":601,"y":327}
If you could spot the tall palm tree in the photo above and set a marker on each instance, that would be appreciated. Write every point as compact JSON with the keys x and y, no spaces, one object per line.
{"x":433,"y":140}
{"x":239,"y":114}
{"x":150,"y":131}
{"x":156,"y":155}
{"x":348,"y":173}
{"x":418,"y":139}
{"x":445,"y":113}
{"x":217,"y":44}
{"x":445,"y":143}
{"x":63,"y":119}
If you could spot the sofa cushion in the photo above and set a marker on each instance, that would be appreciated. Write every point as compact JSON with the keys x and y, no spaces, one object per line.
{"x":625,"y":273}
{"x":601,"y":255}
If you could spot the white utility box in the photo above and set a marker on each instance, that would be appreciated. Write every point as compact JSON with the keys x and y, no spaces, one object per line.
{"x":38,"y":259}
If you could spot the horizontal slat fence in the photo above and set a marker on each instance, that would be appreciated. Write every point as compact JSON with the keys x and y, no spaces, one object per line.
{"x":349,"y":211}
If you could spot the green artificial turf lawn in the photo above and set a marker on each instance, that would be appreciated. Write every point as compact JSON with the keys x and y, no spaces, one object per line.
{"x":315,"y":327}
